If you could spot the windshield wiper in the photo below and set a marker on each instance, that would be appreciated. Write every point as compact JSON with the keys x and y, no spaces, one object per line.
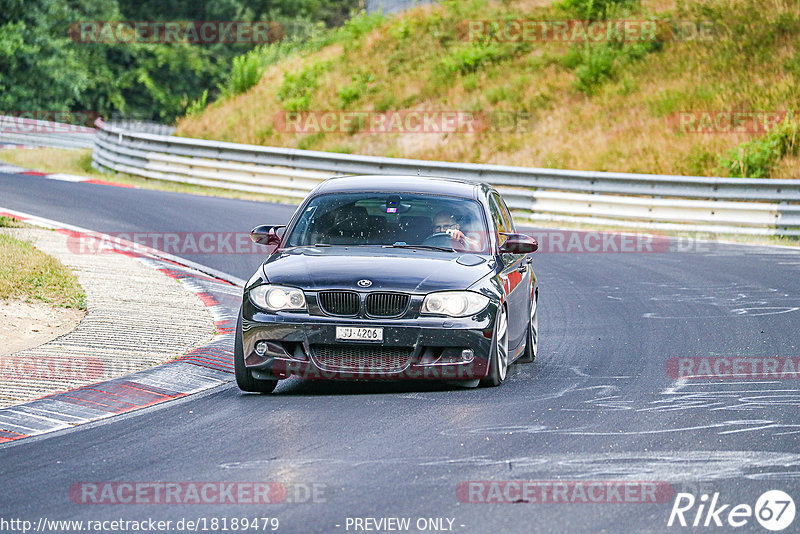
{"x":424,"y":247}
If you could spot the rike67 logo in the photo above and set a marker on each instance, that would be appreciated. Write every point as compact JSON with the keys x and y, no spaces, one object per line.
{"x":774,"y":510}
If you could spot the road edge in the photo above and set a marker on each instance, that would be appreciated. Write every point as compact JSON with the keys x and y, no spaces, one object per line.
{"x":201,"y":369}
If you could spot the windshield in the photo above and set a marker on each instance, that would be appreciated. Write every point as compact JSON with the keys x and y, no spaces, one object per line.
{"x":402,"y":220}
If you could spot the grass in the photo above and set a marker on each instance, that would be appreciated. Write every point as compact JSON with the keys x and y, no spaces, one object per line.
{"x":607,"y":106}
{"x":78,"y":162}
{"x":53,"y":160}
{"x":10,"y":222}
{"x":29,"y":274}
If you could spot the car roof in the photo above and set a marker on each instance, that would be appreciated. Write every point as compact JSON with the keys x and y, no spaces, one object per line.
{"x":402,"y":184}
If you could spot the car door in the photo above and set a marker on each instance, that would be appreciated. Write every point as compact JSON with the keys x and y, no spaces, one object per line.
{"x":525,"y":285}
{"x":515,"y":276}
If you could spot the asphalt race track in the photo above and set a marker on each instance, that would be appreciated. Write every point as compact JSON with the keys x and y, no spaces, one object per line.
{"x":600,"y":403}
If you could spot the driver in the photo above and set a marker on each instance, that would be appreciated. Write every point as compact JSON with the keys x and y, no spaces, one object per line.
{"x":445,"y":222}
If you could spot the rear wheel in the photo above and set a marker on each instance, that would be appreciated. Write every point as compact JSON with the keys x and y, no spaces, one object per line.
{"x":244,"y":379}
{"x":498,"y":359}
{"x":532,"y":340}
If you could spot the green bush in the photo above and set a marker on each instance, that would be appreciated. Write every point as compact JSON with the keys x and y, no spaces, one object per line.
{"x":498,"y":94}
{"x":198,"y":106}
{"x":758,"y":157}
{"x":357,"y":89}
{"x":596,"y":9}
{"x":469,"y":58}
{"x":302,"y":36}
{"x":311,"y":141}
{"x":246,"y":73}
{"x":248,"y":68}
{"x":386,"y":102}
{"x":595,"y":63}
{"x":295,"y":92}
{"x":358,"y":25}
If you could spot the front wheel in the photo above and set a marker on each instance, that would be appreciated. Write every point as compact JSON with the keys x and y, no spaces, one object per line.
{"x":498,"y":358}
{"x":244,"y":379}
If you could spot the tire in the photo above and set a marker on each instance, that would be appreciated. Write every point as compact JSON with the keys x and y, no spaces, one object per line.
{"x":498,"y":358}
{"x":532,"y":339}
{"x":244,"y":379}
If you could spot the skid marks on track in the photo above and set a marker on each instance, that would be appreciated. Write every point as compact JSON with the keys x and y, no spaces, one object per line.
{"x":672,"y":467}
{"x":676,"y":301}
{"x":759,"y":407}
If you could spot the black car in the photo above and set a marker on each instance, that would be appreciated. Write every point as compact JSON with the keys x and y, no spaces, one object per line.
{"x":390,"y":278}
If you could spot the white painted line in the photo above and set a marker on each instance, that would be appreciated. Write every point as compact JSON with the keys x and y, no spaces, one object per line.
{"x":11,"y":169}
{"x":66,"y":177}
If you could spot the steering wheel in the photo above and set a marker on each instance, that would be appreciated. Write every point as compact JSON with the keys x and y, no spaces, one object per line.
{"x":341,"y":224}
{"x":439,"y":239}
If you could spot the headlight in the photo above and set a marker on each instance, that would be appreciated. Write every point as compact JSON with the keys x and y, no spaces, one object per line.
{"x":454,"y":303}
{"x":275,"y":298}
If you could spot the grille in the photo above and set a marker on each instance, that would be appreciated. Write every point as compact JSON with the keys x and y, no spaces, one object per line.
{"x":339,"y":302}
{"x":386,"y":304}
{"x":361,"y":357}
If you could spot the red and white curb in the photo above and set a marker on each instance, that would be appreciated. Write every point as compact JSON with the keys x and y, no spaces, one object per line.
{"x":14,"y":169}
{"x":201,"y":369}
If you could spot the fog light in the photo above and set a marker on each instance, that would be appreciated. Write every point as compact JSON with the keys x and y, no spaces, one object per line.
{"x":261,"y":348}
{"x":467,"y":355}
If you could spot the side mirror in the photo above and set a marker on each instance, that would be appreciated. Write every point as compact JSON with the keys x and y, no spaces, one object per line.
{"x":266,"y":234}
{"x":518,"y":244}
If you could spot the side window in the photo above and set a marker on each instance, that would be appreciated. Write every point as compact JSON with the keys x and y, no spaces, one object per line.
{"x":497,"y":217}
{"x":506,"y":215}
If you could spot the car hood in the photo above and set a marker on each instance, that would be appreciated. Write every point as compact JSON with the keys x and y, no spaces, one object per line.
{"x":408,"y":270}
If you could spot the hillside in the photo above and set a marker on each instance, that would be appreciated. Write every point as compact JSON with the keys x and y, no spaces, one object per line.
{"x":656,"y":104}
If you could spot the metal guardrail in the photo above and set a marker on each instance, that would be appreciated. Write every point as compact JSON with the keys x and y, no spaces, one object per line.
{"x":141,"y":126}
{"x":718,"y":205}
{"x":32,"y":132}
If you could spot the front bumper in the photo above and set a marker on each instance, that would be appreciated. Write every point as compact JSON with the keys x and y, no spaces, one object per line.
{"x":424,"y":348}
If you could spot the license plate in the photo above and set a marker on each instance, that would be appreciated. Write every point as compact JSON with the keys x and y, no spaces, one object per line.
{"x":354,"y":333}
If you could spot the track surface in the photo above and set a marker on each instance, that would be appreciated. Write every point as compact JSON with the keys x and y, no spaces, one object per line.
{"x":598,"y":403}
